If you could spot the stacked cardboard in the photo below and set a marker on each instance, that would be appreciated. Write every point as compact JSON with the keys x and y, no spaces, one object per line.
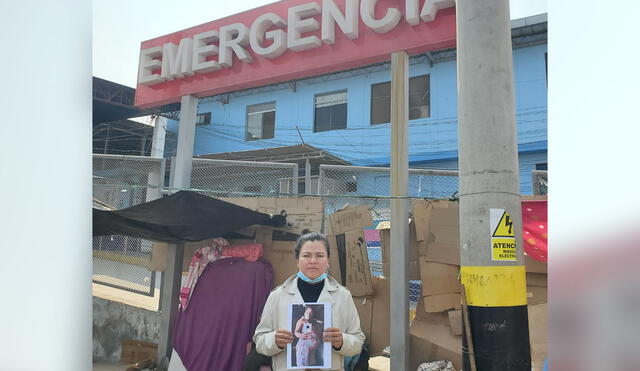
{"x":413,"y":269}
{"x":374,"y":315}
{"x":437,"y":234}
{"x":435,"y":333}
{"x":349,"y":260}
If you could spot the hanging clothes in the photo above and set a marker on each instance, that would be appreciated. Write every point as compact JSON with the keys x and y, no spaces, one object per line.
{"x":223,"y":313}
{"x":199,"y":261}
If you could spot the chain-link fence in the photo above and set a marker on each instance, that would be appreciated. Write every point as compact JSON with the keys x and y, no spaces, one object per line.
{"x":120,"y":182}
{"x":222,"y":178}
{"x":358,"y":185}
{"x":540,"y":182}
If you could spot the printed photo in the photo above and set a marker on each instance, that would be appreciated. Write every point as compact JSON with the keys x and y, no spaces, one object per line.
{"x":308,"y":350}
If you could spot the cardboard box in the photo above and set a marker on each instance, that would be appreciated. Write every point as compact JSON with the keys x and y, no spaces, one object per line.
{"x":302,"y":212}
{"x":349,"y":219}
{"x":413,"y":266}
{"x":380,"y":308}
{"x":384,"y":228}
{"x":380,"y":363}
{"x":413,"y":270}
{"x":364,"y":305}
{"x":349,"y":260}
{"x":431,"y":340}
{"x":536,"y":295}
{"x":441,"y":303}
{"x":455,"y":322}
{"x":282,"y":262}
{"x":533,"y":266}
{"x":438,"y":278}
{"x":538,"y":334}
{"x":536,"y":279}
{"x":437,"y":230}
{"x":135,"y":351}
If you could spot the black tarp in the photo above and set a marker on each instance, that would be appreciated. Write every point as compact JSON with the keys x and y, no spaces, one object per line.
{"x":182,"y":216}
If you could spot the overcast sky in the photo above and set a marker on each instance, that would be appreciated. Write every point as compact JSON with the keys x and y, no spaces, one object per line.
{"x":119,"y":26}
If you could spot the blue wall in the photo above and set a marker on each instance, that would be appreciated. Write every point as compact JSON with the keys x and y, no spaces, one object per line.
{"x":432,"y":141}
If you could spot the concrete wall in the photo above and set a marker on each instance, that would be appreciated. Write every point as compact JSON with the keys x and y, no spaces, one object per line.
{"x":114,"y":322}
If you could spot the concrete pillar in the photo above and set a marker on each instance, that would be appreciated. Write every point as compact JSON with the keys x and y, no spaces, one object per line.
{"x":307,"y":177}
{"x":155,"y":178}
{"x":181,"y":179}
{"x":490,"y":187}
{"x":399,"y":285}
{"x":186,"y":136}
{"x":159,"y":136}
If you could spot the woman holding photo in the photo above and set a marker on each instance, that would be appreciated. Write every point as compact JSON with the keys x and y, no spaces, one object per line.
{"x":310,"y":285}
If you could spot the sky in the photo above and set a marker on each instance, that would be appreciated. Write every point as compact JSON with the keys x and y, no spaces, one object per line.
{"x":119,"y":26}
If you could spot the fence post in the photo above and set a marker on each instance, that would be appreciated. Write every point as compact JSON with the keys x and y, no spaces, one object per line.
{"x":169,"y":301}
{"x":399,"y":212}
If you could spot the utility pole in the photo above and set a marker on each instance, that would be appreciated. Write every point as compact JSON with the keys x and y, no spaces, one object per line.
{"x":399,"y":286}
{"x":490,"y":205}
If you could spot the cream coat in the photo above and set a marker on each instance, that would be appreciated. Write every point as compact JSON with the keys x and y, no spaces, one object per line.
{"x":275,"y":316}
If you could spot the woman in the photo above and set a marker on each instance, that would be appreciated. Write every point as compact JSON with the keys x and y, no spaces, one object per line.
{"x":311,"y":284}
{"x":306,"y":331}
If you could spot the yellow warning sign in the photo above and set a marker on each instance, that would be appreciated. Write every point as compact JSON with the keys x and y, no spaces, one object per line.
{"x":503,"y":249}
{"x":504,"y":227}
{"x":503,"y":241}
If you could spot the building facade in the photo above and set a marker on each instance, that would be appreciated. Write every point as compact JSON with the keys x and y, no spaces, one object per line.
{"x":346,"y":113}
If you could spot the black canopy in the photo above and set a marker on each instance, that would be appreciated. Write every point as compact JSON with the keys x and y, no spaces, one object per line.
{"x":183,"y":216}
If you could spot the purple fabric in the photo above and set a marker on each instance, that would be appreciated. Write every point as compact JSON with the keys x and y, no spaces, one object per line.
{"x":224,"y":310}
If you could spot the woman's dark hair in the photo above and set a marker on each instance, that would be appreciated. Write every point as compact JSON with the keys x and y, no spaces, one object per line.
{"x":313,"y":236}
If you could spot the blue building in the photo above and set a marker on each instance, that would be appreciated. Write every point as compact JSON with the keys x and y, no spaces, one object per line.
{"x":347,"y":113}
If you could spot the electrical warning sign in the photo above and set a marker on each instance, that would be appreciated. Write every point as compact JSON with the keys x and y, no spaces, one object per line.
{"x":503,"y":240}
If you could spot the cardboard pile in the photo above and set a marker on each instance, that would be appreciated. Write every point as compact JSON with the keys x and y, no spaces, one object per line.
{"x":349,"y":260}
{"x":436,"y":331}
{"x":413,"y":269}
{"x":432,"y":335}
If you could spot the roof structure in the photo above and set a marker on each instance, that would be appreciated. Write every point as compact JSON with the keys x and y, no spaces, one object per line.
{"x":113,"y":131}
{"x":290,"y":154}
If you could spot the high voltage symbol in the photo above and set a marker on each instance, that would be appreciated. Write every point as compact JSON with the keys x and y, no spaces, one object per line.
{"x":504,"y":227}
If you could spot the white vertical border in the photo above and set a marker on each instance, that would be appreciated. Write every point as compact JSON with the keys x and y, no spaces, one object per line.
{"x":45,"y":182}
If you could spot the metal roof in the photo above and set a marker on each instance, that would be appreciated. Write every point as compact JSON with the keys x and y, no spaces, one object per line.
{"x":291,"y":154}
{"x":113,"y":102}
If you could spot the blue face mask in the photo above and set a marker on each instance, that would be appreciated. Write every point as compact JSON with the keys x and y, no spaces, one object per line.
{"x":309,"y":280}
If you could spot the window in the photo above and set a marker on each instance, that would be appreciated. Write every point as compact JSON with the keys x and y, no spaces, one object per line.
{"x":542,"y":166}
{"x":330,"y":111}
{"x":203,"y":118}
{"x":418,"y":100}
{"x":261,"y":121}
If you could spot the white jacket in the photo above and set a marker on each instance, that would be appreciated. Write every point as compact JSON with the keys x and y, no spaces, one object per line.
{"x":275,"y":317}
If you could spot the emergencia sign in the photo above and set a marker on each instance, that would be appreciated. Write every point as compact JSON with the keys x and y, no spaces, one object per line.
{"x":503,"y":240}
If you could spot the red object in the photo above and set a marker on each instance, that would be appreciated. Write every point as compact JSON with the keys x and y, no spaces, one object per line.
{"x":250,"y":252}
{"x":370,"y":47}
{"x":534,"y":229}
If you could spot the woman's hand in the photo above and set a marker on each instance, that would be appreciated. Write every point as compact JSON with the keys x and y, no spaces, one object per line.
{"x":334,"y":336}
{"x":283,"y":337}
